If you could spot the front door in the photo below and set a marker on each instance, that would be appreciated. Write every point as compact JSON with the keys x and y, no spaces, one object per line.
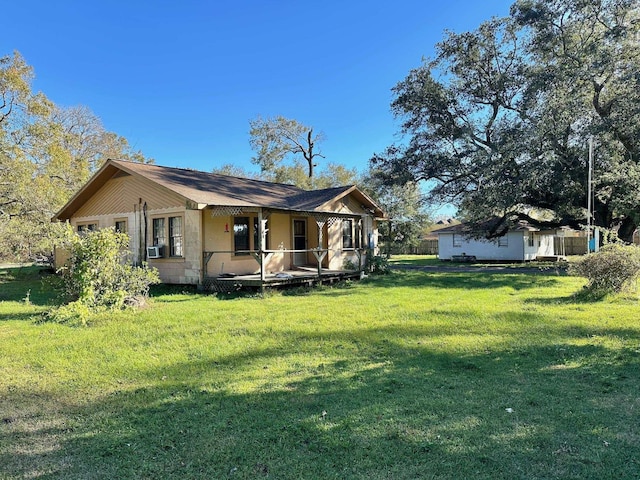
{"x":299,"y":241}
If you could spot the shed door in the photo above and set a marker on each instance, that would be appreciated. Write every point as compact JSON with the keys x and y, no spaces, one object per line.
{"x":299,"y":241}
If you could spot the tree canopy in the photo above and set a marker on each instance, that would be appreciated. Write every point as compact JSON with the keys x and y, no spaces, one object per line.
{"x":406,"y":209}
{"x":500,"y":119}
{"x":46,"y":153}
{"x":277,"y":139}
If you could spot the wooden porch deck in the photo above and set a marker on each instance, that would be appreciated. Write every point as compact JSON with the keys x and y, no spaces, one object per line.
{"x":301,"y":276}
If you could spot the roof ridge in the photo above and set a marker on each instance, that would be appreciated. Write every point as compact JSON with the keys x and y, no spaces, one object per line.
{"x":211,"y":174}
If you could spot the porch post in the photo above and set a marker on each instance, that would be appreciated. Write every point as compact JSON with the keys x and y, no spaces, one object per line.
{"x":261,"y":238}
{"x":320,"y":222}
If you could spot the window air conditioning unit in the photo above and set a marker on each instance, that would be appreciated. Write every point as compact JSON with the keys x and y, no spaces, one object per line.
{"x":154,"y":252}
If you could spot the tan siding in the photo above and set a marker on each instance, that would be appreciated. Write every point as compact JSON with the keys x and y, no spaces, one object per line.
{"x":347,"y":205}
{"x":279,"y":226}
{"x":120,"y":194}
{"x":185,"y":270}
{"x":216,"y":239}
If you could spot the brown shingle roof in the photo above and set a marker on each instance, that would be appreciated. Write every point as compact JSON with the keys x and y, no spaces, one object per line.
{"x":464,"y":228}
{"x":211,"y":189}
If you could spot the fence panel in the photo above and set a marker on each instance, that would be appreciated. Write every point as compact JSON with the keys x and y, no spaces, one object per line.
{"x":572,"y":245}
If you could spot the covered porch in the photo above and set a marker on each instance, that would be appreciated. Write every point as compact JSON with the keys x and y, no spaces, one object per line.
{"x":259,"y":247}
{"x":300,"y":275}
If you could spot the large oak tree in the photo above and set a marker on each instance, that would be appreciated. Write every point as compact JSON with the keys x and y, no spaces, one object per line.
{"x":46,"y":153}
{"x":500,"y":118}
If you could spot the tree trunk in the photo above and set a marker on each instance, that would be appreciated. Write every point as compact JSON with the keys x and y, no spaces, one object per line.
{"x":627,"y":227}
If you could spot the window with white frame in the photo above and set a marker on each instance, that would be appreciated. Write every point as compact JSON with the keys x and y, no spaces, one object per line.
{"x":168,"y":232}
{"x":457,"y":240}
{"x":531,"y":241}
{"x":246,"y":235}
{"x":503,"y":241}
{"x":241,"y":236}
{"x":175,"y":236}
{"x":347,"y":234}
{"x":158,"y":232}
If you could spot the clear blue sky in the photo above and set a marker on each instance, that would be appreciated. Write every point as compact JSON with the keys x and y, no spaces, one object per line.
{"x":181,"y":79}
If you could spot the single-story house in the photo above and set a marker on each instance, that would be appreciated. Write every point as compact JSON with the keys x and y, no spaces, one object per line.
{"x":193,"y":226}
{"x":522,"y":242}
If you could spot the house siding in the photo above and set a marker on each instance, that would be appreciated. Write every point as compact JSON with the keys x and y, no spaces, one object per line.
{"x":482,"y":249}
{"x":123,"y":194}
{"x":186,"y":270}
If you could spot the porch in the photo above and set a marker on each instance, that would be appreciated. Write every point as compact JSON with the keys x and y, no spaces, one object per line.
{"x":302,"y":275}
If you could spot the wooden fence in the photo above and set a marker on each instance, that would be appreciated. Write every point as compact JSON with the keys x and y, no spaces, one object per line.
{"x":425,"y":247}
{"x":572,"y":245}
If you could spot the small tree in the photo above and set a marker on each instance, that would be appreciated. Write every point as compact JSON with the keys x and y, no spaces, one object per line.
{"x":99,"y":277}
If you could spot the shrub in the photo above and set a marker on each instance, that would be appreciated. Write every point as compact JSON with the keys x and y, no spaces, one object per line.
{"x":98,"y":275}
{"x":378,"y":264}
{"x":612,"y":269}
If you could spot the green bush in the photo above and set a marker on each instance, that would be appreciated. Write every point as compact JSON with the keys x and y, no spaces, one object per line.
{"x":98,"y":276}
{"x":73,"y":314}
{"x":613,"y":269}
{"x":378,"y":264}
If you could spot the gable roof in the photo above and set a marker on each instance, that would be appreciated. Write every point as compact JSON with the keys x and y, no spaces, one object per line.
{"x":211,"y":189}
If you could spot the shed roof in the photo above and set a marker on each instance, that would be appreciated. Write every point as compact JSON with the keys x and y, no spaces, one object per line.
{"x":465,"y":228}
{"x":211,"y":189}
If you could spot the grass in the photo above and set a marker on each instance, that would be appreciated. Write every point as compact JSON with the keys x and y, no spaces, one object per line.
{"x":433,"y":260}
{"x":412,"y":375}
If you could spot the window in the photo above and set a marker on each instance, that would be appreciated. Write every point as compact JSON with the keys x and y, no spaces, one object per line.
{"x":87,"y":227}
{"x":457,"y":240}
{"x":168,"y":233}
{"x":175,"y":236}
{"x":503,"y":241}
{"x":347,"y":234}
{"x":531,"y":241}
{"x":121,"y":226}
{"x":158,"y":232}
{"x":241,"y":235}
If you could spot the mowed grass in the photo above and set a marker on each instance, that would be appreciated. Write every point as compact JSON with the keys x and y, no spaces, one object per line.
{"x":411,"y":375}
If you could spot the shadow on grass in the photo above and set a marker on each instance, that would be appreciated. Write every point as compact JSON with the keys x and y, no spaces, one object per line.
{"x":35,"y":285}
{"x":583,"y":296}
{"x":446,"y":279}
{"x":387,"y":411}
{"x":464,"y":280}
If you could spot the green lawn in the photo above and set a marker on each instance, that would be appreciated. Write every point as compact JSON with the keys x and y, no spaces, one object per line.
{"x":445,"y":375}
{"x":433,"y":260}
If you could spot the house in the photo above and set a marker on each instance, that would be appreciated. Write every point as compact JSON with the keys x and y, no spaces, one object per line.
{"x":195,"y":226}
{"x":429,"y":241}
{"x":522,"y":242}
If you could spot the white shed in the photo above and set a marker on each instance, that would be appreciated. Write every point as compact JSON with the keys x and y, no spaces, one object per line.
{"x":523,"y":242}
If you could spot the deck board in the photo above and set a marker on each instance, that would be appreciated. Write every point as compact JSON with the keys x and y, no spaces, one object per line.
{"x":300,"y":276}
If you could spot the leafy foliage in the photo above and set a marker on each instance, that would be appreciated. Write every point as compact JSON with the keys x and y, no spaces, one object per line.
{"x":275,"y":139}
{"x":46,"y":153}
{"x":499,"y":119}
{"x":331,"y":175}
{"x":406,"y":208}
{"x":611,"y":270}
{"x":99,"y":278}
{"x":378,"y":265}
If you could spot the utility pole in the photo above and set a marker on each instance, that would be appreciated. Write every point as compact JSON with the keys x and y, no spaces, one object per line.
{"x":589,"y":206}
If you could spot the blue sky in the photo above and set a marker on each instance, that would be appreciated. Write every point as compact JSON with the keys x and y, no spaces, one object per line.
{"x":181,"y":80}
